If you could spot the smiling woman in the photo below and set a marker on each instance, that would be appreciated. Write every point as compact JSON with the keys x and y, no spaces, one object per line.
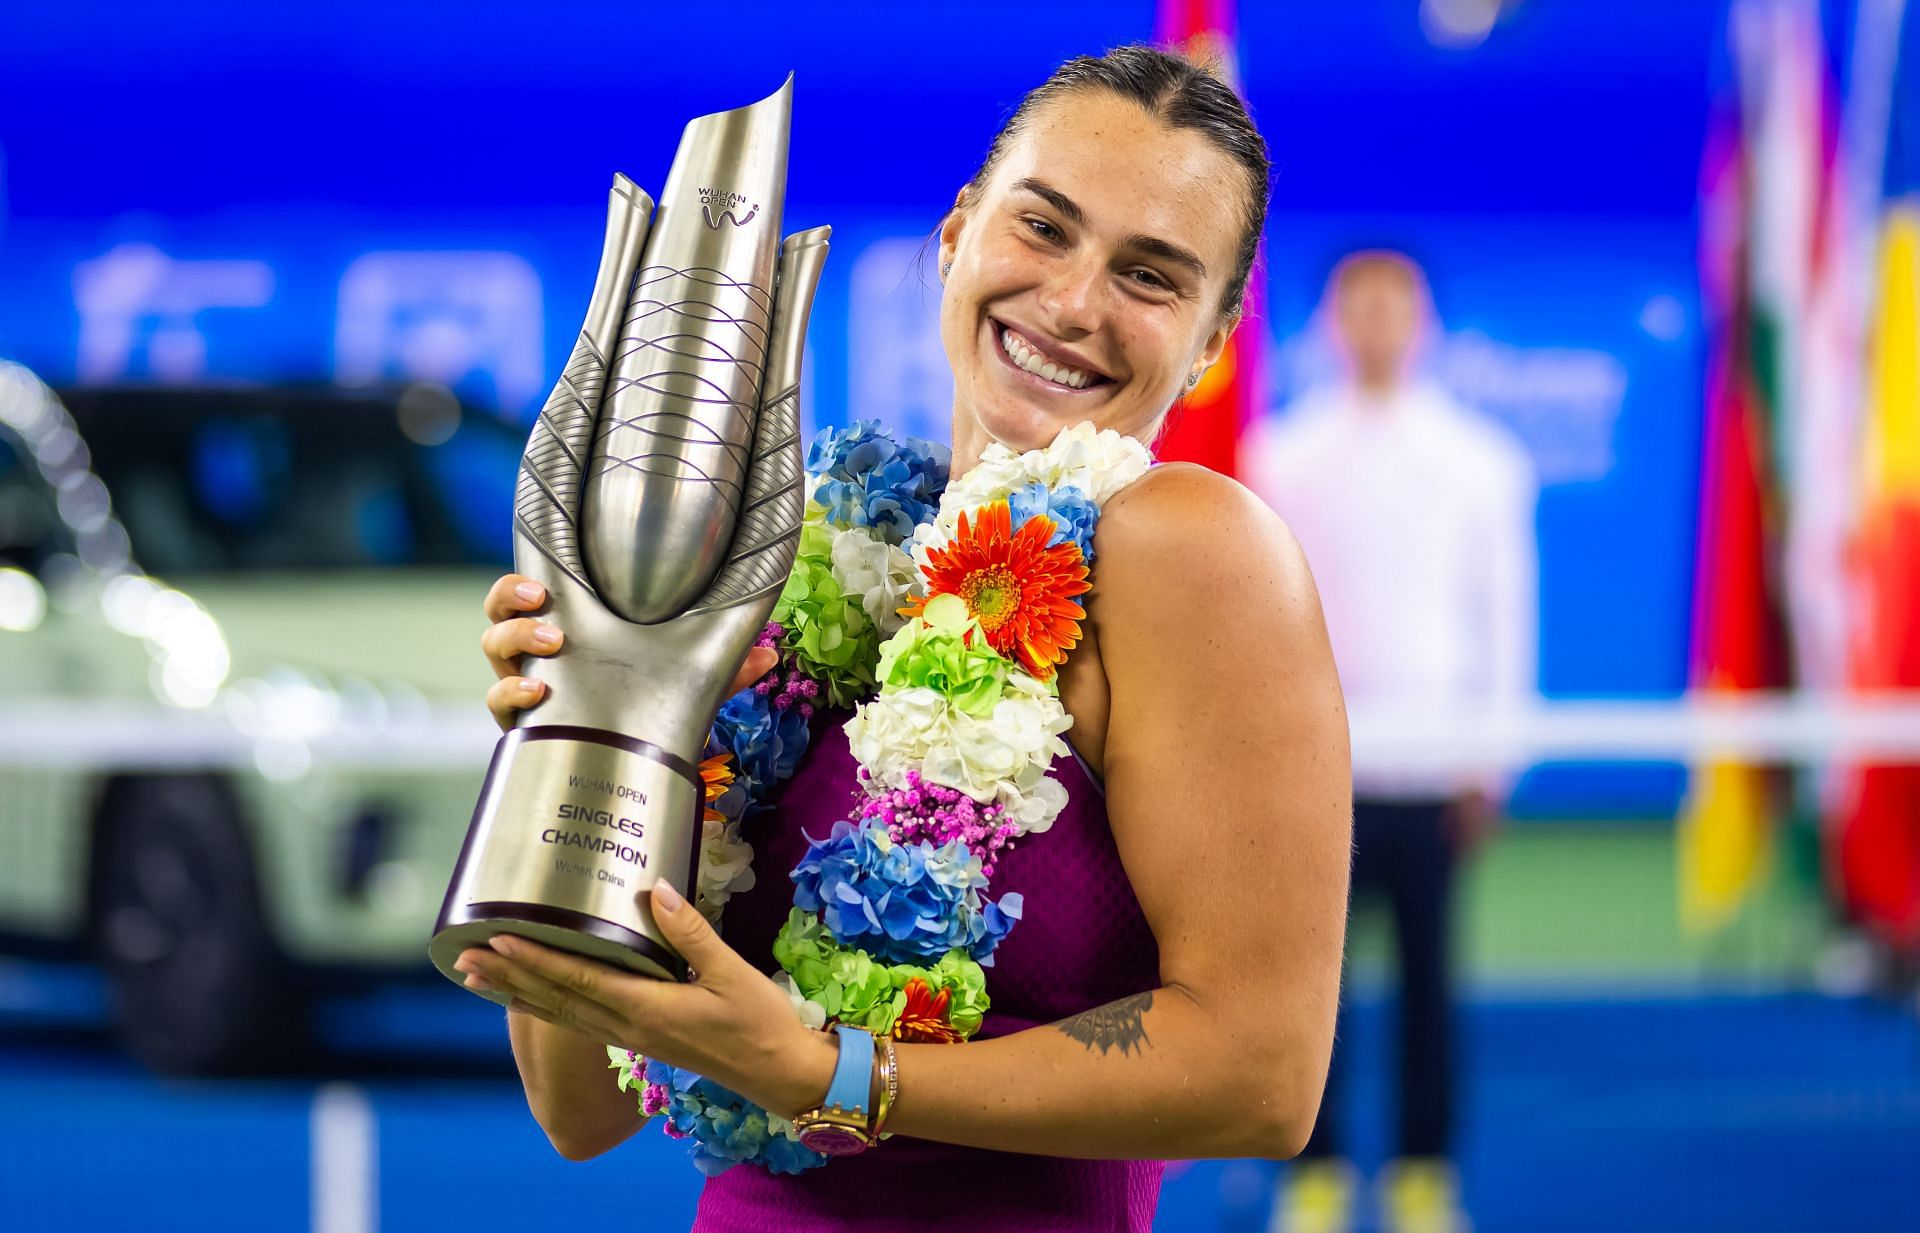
{"x":1096,"y":262}
{"x":1171,"y":988}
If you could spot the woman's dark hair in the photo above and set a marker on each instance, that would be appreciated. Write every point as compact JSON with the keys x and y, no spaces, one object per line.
{"x":1180,"y":93}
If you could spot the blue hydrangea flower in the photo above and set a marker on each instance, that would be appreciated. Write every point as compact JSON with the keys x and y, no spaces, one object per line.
{"x":724,"y":1128}
{"x":868,"y":479}
{"x":901,"y":902}
{"x":784,"y":1155}
{"x":766,"y":741}
{"x":1073,"y":514}
{"x":733,"y":802}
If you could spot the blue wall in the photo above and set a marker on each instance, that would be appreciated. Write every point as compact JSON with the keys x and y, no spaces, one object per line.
{"x":331,"y":168}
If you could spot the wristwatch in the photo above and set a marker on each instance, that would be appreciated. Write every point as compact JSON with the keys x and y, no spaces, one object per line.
{"x":839,"y":1126}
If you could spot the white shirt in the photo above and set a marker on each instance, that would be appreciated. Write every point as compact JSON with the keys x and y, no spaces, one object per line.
{"x":1416,"y":516}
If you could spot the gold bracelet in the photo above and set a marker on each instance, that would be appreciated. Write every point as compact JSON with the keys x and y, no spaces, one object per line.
{"x":889,"y":1065}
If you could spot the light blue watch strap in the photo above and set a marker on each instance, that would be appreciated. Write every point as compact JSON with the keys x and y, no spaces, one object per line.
{"x":853,"y":1073}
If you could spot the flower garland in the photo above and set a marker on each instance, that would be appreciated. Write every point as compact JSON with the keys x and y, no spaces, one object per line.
{"x":944,"y":611}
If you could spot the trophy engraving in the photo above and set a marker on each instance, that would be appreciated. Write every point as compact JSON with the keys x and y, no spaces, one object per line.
{"x":659,"y":501}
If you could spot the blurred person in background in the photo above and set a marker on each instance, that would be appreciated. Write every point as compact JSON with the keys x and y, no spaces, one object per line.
{"x":1417,"y":514}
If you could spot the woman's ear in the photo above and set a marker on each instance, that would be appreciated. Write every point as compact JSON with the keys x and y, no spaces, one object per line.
{"x":952,"y":225}
{"x":1217,"y":341}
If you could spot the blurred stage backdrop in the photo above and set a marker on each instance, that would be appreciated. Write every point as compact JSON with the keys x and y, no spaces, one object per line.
{"x":1672,"y":247}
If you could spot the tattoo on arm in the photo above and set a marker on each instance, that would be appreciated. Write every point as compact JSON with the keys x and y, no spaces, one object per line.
{"x":1117,"y":1025}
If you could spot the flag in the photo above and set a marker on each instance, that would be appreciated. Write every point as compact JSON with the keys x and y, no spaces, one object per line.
{"x":1206,"y":424}
{"x":1767,"y":178}
{"x":1875,"y":856}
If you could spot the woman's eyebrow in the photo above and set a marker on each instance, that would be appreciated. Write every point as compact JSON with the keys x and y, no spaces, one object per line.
{"x":1053,"y":197}
{"x":1151,"y":245}
{"x":1158,"y":247}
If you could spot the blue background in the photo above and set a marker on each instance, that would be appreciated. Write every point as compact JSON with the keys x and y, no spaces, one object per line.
{"x":1546,"y":179}
{"x":1766,"y":1113}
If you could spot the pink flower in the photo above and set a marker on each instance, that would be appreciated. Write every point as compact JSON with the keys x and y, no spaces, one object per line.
{"x":939,"y":815}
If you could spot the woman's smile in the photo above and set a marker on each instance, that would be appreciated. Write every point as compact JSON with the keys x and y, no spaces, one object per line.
{"x":1092,"y":258}
{"x":1038,"y":363}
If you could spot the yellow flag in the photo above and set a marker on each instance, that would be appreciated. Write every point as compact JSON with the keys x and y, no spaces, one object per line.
{"x":1724,"y":837}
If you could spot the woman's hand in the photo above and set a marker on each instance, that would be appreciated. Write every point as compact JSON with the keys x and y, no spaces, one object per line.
{"x":729,"y":1023}
{"x":510,"y":635}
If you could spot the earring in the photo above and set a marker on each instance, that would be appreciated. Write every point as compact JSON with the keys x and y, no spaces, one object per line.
{"x":1193,"y":379}
{"x":946,"y":268}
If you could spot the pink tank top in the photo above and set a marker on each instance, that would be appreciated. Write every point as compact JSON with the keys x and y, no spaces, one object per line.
{"x":1081,"y":943}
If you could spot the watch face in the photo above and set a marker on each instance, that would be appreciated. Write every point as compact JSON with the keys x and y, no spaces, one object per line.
{"x":832,"y":1140}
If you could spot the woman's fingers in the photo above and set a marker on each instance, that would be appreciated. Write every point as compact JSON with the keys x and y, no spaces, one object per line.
{"x":510,"y":695}
{"x":760,"y":661}
{"x":576,"y":991}
{"x":513,"y":593}
{"x":521,"y":1006}
{"x":575,"y":1016}
{"x":689,"y":933}
{"x":487,"y":972}
{"x":504,"y":642}
{"x":492,"y":972}
{"x":508,"y":638}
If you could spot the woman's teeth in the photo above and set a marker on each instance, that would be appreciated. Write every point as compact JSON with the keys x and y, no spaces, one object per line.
{"x":1026,"y":357}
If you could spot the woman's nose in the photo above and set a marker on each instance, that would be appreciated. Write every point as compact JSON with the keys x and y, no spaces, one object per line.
{"x":1073,"y":297}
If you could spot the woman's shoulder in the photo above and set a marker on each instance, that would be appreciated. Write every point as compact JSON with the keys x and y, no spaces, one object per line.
{"x":1185,"y":548}
{"x":1185,"y":517}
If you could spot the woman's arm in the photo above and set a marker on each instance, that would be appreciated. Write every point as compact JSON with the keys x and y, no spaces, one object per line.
{"x":571,"y":1091}
{"x":1228,"y":790}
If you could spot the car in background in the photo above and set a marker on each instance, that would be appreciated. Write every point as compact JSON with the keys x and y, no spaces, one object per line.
{"x":245,"y":728}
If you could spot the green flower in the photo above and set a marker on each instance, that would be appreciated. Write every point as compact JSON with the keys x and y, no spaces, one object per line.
{"x":828,"y":632}
{"x":965,"y":980}
{"x":857,"y":990}
{"x":630,"y":1066}
{"x":945,"y":649}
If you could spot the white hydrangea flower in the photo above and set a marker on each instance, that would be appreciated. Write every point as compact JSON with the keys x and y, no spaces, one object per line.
{"x":1033,"y":812}
{"x":1099,"y":462}
{"x":998,"y":473}
{"x":726,"y":868}
{"x":879,"y":573}
{"x":806,"y":1009}
{"x":1002,"y":756}
{"x":927,"y":537}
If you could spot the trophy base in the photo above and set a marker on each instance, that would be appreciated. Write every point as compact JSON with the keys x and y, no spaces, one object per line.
{"x":575,"y":932}
{"x":574,"y":828}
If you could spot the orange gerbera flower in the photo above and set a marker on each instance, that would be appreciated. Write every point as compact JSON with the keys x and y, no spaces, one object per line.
{"x":925,"y":1017}
{"x":716,"y":775}
{"x":1021,"y":591}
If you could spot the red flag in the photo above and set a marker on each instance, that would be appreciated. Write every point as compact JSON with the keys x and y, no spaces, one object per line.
{"x":1749,"y":252}
{"x":1205,"y":426}
{"x":1876,"y":847}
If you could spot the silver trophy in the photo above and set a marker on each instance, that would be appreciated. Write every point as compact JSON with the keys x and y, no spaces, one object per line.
{"x":659,"y":502}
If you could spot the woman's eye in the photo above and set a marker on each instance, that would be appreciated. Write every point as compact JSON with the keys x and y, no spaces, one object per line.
{"x":1147,"y":278}
{"x":1042,"y":228}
